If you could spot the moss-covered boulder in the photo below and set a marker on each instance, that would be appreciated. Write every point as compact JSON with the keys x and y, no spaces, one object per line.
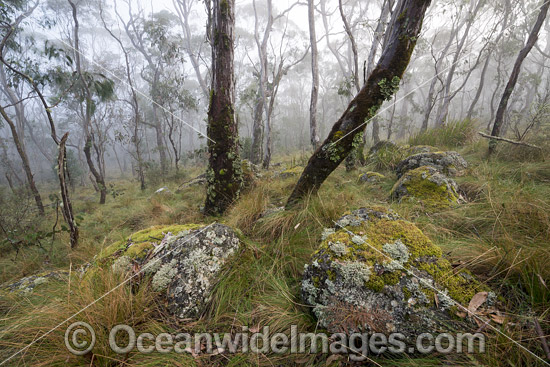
{"x":375,"y":272}
{"x":138,"y":245}
{"x":428,"y":185}
{"x":448,"y":163}
{"x":181,"y":261}
{"x":371,"y":177}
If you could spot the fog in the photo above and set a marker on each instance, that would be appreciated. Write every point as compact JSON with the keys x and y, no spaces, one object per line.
{"x":458,"y":71}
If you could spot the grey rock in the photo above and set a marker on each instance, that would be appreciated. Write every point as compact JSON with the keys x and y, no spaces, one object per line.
{"x":448,"y":163}
{"x":186,"y":266}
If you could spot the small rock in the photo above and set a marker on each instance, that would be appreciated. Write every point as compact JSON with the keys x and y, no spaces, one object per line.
{"x":28,"y":284}
{"x":163,"y":191}
{"x":371,"y":177}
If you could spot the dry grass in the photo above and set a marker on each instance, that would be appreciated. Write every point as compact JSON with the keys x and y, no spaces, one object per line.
{"x":501,"y":234}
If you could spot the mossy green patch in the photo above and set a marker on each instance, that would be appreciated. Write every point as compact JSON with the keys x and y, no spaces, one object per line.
{"x":138,"y":244}
{"x":427,"y":185}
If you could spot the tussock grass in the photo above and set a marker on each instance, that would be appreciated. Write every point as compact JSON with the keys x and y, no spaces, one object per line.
{"x":453,"y":134}
{"x":501,"y":234}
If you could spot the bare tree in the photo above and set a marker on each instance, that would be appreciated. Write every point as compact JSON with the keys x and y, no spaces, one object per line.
{"x":508,"y":90}
{"x":184,"y":8}
{"x":137,"y":35}
{"x":406,"y":24}
{"x":504,"y":26}
{"x":98,"y":173}
{"x":136,"y":136}
{"x":377,"y":39}
{"x":313,"y":130}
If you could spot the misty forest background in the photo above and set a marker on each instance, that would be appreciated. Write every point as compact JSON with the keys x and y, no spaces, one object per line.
{"x":111,"y":124}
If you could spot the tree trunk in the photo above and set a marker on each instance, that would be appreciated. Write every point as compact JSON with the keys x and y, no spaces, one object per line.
{"x":224,"y":175}
{"x":67,"y":207}
{"x":25,"y":161}
{"x":406,"y":24}
{"x":257,"y":130}
{"x":159,"y":134}
{"x":533,"y":36}
{"x":470,"y":113}
{"x":347,"y":28}
{"x":313,"y":133}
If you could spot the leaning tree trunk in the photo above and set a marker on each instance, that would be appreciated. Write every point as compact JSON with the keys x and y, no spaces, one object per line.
{"x":224,"y":175}
{"x":533,"y":36}
{"x":406,"y":24}
{"x":313,"y":133}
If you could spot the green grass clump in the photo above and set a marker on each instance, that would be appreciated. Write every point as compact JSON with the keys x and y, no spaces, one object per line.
{"x":453,"y":134}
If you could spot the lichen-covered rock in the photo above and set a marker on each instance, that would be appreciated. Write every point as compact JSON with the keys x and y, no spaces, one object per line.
{"x":448,"y":163}
{"x":291,"y":172}
{"x":137,"y":246}
{"x":183,"y":265}
{"x":28,"y":284}
{"x":428,"y":185}
{"x":371,"y":177}
{"x":186,"y":266}
{"x":375,"y":272}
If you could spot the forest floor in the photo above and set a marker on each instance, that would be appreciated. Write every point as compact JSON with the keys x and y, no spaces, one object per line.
{"x":501,"y":234}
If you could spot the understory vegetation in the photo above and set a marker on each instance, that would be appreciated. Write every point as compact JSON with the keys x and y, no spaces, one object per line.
{"x":500,"y":233}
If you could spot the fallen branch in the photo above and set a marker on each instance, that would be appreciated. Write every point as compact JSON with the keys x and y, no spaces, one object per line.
{"x":509,"y":141}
